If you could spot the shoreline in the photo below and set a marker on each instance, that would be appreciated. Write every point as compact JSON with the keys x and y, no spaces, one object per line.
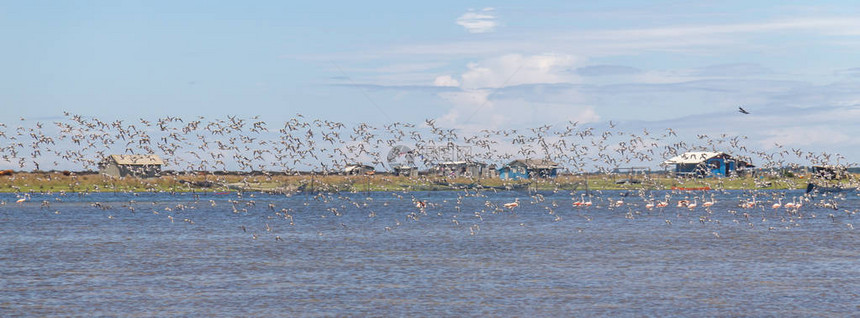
{"x":32,"y":182}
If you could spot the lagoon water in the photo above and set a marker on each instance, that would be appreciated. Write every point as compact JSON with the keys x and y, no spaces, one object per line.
{"x":377,"y":254}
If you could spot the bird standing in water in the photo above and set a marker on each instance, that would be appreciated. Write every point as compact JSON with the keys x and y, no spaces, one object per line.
{"x":512,"y":205}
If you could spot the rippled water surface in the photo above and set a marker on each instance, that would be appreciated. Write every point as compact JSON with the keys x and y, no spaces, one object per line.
{"x":378,"y":254}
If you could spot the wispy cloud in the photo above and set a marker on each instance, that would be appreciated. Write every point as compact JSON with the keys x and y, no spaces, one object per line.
{"x":482,"y":21}
{"x":733,"y":70}
{"x":704,"y":38}
{"x":400,"y":88}
{"x":851,"y":72}
{"x":607,"y":70}
{"x":832,"y":26}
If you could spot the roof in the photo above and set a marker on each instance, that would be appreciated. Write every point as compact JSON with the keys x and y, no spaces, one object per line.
{"x":461,"y":163}
{"x":352,"y":167}
{"x":137,"y":160}
{"x":535,"y":163}
{"x":692,"y":157}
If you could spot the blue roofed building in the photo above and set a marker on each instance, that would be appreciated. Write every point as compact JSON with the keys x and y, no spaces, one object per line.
{"x":707,"y":164}
{"x":529,"y":168}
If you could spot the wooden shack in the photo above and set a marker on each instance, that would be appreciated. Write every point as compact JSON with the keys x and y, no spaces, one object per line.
{"x":405,"y":171}
{"x":358,"y":169}
{"x":142,"y":166}
{"x":462,"y":169}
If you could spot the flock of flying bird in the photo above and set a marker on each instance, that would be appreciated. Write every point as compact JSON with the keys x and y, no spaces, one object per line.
{"x":321,"y":146}
{"x":324,"y":146}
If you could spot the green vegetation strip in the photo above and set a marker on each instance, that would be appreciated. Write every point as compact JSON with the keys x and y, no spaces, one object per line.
{"x":58,"y":182}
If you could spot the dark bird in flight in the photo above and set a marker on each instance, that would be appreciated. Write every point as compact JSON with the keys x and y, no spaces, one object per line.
{"x":742,"y":110}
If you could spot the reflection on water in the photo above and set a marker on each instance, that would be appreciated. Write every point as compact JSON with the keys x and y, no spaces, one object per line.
{"x":463,"y":254}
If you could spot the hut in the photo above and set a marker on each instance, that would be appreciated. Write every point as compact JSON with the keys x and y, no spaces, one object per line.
{"x":529,"y":168}
{"x":144,"y":166}
{"x":405,"y":171}
{"x":705,"y":164}
{"x":462,"y":169}
{"x":358,"y":169}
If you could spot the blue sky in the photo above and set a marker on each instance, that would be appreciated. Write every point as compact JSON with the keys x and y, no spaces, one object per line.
{"x":468,"y":64}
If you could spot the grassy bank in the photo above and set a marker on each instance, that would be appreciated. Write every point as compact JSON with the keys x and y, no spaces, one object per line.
{"x":59,"y":182}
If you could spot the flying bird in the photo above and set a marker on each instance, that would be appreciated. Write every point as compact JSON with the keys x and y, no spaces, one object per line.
{"x":743,"y":111}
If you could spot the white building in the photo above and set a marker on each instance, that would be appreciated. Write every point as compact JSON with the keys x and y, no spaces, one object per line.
{"x":144,"y":166}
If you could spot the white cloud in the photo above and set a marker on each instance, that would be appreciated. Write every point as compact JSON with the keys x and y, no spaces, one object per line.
{"x":515,"y":69}
{"x":446,"y":81}
{"x":478,"y":22}
{"x":467,"y":104}
{"x":491,"y":94}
